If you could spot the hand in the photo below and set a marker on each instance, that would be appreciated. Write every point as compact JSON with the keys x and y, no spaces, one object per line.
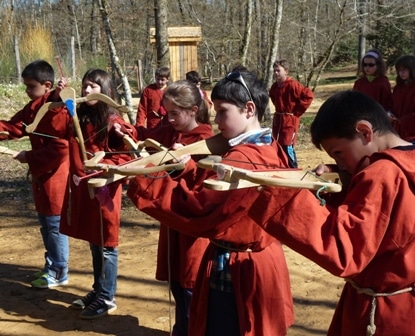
{"x":21,"y":157}
{"x":185,"y":158}
{"x":118,"y":130}
{"x":61,"y":85}
{"x":176,"y":146}
{"x":321,"y":169}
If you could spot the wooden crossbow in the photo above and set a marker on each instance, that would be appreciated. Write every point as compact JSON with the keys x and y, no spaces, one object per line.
{"x":231,"y":177}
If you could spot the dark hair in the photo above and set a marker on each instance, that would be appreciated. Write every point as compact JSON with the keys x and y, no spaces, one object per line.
{"x":381,"y":67}
{"x":338,"y":115}
{"x":234,"y":92}
{"x":99,"y":113}
{"x":408,"y":62}
{"x":194,"y":77}
{"x":163,"y":72}
{"x":40,"y":70}
{"x":186,"y":94}
{"x":281,"y":62}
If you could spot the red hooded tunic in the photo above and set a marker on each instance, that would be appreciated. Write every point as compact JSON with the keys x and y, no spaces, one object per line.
{"x":260,"y":278}
{"x":404,"y":109}
{"x":379,"y":89}
{"x":185,"y":251}
{"x":369,"y":239}
{"x":150,"y":112}
{"x":81,"y":216}
{"x":48,"y":159}
{"x":291,"y":99}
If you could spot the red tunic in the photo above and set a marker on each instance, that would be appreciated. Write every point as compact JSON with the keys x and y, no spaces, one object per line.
{"x":48,"y":159}
{"x":260,"y":278}
{"x":149,"y":107}
{"x":369,"y":238}
{"x":379,"y":89}
{"x":404,"y":109}
{"x":185,"y":251}
{"x":81,"y":216}
{"x":291,"y":99}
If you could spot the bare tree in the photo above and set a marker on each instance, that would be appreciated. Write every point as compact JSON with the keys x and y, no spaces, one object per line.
{"x":162,"y":38}
{"x":247,"y":34}
{"x":115,"y":60}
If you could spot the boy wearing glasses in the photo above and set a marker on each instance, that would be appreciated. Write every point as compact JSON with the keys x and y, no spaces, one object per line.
{"x":373,"y":81}
{"x":291,"y":99}
{"x":243,"y":285}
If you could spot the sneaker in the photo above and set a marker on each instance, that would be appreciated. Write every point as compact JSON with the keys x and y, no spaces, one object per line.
{"x":84,"y":301}
{"x":48,"y":281}
{"x":99,"y":307}
{"x":39,"y":274}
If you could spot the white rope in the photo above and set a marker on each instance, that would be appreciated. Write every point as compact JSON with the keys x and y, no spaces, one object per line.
{"x":371,"y":328}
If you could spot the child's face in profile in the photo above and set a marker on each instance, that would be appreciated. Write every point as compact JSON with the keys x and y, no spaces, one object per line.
{"x":230,"y":119}
{"x":280,"y":73}
{"x":161,"y":81}
{"x":34,"y":89}
{"x":181,"y":119}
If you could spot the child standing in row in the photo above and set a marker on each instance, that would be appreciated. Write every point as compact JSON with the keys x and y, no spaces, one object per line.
{"x":195,"y":78}
{"x":243,"y":285}
{"x":48,"y":165}
{"x":369,"y":238}
{"x":404,"y":97}
{"x":151,"y":112}
{"x":373,"y":81}
{"x":97,"y":220}
{"x":291,"y":99}
{"x":179,"y":255}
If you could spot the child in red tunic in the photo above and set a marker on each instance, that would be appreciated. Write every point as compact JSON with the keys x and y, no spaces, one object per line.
{"x":195,"y":78}
{"x":404,"y":97}
{"x":369,"y":237}
{"x":97,"y":220}
{"x":291,"y":99}
{"x":243,"y":285}
{"x":150,"y":111}
{"x":373,"y":81}
{"x":48,"y":165}
{"x":179,"y":255}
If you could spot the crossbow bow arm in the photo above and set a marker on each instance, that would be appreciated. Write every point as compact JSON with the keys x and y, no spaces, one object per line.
{"x":213,"y":145}
{"x":235,"y":178}
{"x":8,"y":151}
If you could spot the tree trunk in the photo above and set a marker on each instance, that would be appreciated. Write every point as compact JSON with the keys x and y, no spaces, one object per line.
{"x":162,"y":38}
{"x":247,"y":34}
{"x":362,"y":35}
{"x":115,"y":64}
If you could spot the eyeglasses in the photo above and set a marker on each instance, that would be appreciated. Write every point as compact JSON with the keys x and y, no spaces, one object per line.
{"x":370,"y":65}
{"x":236,"y":76}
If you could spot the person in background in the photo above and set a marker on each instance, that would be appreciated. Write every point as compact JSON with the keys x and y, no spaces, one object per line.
{"x":290,"y":99}
{"x":368,"y":237}
{"x":243,"y":286}
{"x":150,"y":111}
{"x":403,"y":117}
{"x":195,"y":78}
{"x":48,"y":163}
{"x":97,"y":220}
{"x":373,"y":81}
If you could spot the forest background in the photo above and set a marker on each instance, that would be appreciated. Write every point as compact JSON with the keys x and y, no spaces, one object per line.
{"x":314,"y":35}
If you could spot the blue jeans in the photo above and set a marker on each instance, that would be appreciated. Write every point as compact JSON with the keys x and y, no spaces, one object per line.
{"x":182,"y":297}
{"x":56,"y":245}
{"x":105,"y":264}
{"x":292,"y":157}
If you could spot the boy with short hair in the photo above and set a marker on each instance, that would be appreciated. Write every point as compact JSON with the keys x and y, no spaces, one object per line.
{"x":291,"y":99}
{"x":150,"y":111}
{"x":48,"y":163}
{"x":243,"y":285}
{"x":195,"y":78}
{"x":369,"y":237}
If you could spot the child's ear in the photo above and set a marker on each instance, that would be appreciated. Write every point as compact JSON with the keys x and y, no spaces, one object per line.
{"x":48,"y":85}
{"x":365,"y":129}
{"x":250,"y":109}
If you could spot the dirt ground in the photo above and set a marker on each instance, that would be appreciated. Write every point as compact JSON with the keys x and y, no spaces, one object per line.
{"x":145,"y":307}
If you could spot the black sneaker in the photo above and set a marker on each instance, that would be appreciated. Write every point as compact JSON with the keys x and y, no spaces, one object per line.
{"x":85,"y":301}
{"x":99,"y":307}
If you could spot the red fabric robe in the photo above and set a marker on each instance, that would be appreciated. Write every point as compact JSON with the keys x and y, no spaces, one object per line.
{"x":379,"y":89}
{"x":150,"y":113}
{"x":404,"y":109}
{"x":369,"y":238}
{"x":260,"y":278}
{"x":185,"y":251}
{"x":48,"y":158}
{"x":291,"y":99}
{"x":81,"y":214}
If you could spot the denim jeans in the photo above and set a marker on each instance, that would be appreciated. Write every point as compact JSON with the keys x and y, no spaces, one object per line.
{"x":56,"y":245}
{"x":292,"y":157}
{"x":105,"y":264}
{"x":182,"y":297}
